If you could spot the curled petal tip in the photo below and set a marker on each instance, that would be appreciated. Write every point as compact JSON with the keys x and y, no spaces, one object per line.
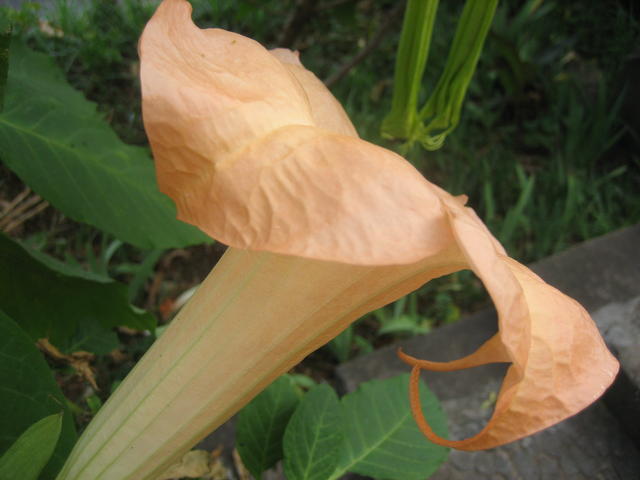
{"x":287,"y":56}
{"x":406,"y":358}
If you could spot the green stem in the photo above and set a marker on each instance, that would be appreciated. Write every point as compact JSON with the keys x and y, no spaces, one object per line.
{"x":442,"y":111}
{"x":411,"y":60}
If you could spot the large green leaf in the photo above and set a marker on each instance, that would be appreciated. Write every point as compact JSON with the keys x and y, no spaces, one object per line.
{"x":28,"y":392}
{"x":261,"y":425}
{"x":57,"y":143}
{"x":73,"y":309}
{"x":313,"y":436}
{"x":381,"y":438}
{"x":28,"y":455}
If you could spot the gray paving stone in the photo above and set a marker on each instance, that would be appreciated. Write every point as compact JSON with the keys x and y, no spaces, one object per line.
{"x":620,"y":324}
{"x":598,"y":272}
{"x":587,"y":446}
{"x":590,"y":445}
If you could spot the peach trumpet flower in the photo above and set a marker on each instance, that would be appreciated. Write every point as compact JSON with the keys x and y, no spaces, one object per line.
{"x":323,"y":227}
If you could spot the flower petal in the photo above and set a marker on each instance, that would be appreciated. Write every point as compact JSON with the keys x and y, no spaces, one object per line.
{"x":304,"y":191}
{"x":326,"y":110}
{"x":559,"y":362}
{"x":207,"y":93}
{"x":235,"y":143}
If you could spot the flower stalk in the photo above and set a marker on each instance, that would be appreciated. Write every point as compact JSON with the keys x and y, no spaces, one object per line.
{"x":441,"y":113}
{"x":411,"y":60}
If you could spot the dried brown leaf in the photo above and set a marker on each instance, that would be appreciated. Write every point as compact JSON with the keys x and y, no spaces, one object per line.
{"x":80,"y":361}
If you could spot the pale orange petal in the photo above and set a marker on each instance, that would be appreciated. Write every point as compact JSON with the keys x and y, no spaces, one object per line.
{"x":236,"y":147}
{"x":207,"y":93}
{"x":308,"y":192}
{"x":559,"y":362}
{"x":326,"y":110}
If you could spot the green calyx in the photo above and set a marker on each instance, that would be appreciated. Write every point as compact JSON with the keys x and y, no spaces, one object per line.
{"x":441,"y":113}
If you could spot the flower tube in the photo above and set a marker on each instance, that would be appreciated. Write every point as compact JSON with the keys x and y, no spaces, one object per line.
{"x":323,"y":227}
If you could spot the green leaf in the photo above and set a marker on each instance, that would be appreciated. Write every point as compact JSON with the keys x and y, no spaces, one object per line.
{"x":364,"y":345}
{"x":143,"y":272}
{"x":73,"y":309}
{"x":5,"y":41}
{"x":515,"y":215}
{"x":313,"y":436}
{"x":403,"y":325}
{"x":26,"y":458}
{"x":93,"y":337}
{"x":28,"y":392}
{"x":261,"y":425}
{"x":57,"y":143}
{"x":381,"y":438}
{"x":302,"y":381}
{"x":340,"y":346}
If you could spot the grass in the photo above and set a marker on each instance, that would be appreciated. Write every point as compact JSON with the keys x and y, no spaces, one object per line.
{"x":542,"y":150}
